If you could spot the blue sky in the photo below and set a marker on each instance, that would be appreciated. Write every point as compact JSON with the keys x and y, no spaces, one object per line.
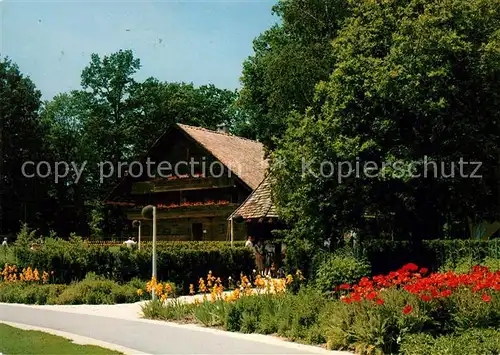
{"x":200,"y":42}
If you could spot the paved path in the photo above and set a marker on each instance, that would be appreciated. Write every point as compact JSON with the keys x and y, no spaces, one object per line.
{"x":148,"y":336}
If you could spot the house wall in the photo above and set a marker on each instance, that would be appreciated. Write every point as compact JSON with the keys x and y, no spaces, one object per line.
{"x":178,"y":223}
{"x":182,"y":229}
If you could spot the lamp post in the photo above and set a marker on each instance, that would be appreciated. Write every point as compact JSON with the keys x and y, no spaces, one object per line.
{"x":149,"y":212}
{"x":137,"y":224}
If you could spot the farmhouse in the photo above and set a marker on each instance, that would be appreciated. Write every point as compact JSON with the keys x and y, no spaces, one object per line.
{"x":205,"y":176}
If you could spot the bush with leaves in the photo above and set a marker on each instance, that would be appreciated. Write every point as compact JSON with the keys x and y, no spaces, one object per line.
{"x":340,"y":269}
{"x":472,"y":341}
{"x":92,"y":290}
{"x":179,"y":262}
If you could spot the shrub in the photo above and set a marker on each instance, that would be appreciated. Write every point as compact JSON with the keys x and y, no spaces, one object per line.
{"x":171,"y":310}
{"x":469,"y":310}
{"x":7,"y":256}
{"x":97,"y":290}
{"x":248,"y":308}
{"x":18,"y":292}
{"x":212,"y":314}
{"x":179,"y":262}
{"x":340,"y":269}
{"x":473,"y":341}
{"x":365,"y":327}
{"x":300,"y":317}
{"x":292,"y":316}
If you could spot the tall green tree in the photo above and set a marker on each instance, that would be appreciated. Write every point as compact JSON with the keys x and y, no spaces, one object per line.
{"x":108,"y":116}
{"x":20,"y":141}
{"x":157,"y":105}
{"x":289,"y":60}
{"x":65,"y":141}
{"x":412,"y":79}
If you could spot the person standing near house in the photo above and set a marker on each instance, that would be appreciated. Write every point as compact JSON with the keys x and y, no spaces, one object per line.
{"x":130,"y":242}
{"x":259,"y":256}
{"x":4,"y":243}
{"x":270,"y":250}
{"x":249,"y":242}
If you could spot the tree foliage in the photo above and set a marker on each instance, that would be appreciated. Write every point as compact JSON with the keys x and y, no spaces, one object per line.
{"x":20,"y":140}
{"x":412,"y":79}
{"x":289,"y":60}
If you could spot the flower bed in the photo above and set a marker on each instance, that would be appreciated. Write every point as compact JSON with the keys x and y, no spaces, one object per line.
{"x":383,"y":314}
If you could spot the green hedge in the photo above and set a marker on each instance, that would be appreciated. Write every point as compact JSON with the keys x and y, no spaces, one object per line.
{"x":181,"y":263}
{"x":385,"y":255}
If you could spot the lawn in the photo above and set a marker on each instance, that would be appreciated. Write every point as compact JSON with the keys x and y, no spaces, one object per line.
{"x":18,"y":341}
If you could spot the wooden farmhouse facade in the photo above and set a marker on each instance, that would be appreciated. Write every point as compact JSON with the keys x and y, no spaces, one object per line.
{"x":197,"y":179}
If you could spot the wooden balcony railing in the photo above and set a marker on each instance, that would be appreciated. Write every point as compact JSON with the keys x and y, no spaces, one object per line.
{"x":181,"y":184}
{"x":191,"y":211}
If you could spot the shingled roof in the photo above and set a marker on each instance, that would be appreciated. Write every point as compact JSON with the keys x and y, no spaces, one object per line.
{"x":259,"y":204}
{"x":243,"y":156}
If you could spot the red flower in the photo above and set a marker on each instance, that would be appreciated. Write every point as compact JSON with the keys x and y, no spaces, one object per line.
{"x":345,"y":286}
{"x":426,"y":298}
{"x":423,"y":270}
{"x":410,"y":267}
{"x":486,"y":298}
{"x":371,"y":295}
{"x":445,"y":293}
{"x":407,"y":309}
{"x":379,"y":301}
{"x":347,"y":300}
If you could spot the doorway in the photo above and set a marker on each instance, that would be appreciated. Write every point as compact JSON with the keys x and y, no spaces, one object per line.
{"x":197,"y":231}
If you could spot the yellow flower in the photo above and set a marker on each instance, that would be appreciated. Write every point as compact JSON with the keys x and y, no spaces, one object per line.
{"x":140,"y":292}
{"x":191,"y":289}
{"x":235,"y":294}
{"x":201,"y":285}
{"x":36,"y":276}
{"x":159,"y":289}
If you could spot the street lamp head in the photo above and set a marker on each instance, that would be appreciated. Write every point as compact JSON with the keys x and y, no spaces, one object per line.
{"x":147,"y":212}
{"x":136,"y":223}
